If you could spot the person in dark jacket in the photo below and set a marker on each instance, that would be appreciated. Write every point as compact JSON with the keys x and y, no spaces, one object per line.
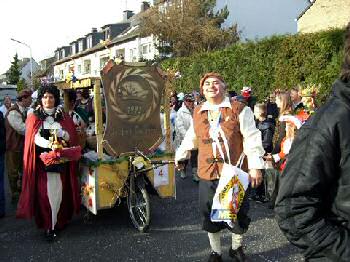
{"x":272,"y":108}
{"x":2,"y":164}
{"x":313,"y":204}
{"x":267,"y":129}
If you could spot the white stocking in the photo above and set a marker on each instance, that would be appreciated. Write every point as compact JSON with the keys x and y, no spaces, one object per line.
{"x":54,"y":193}
{"x":236,"y":241}
{"x":215,"y":242}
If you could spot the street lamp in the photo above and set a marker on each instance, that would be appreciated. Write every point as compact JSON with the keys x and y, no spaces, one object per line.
{"x":31,"y":58}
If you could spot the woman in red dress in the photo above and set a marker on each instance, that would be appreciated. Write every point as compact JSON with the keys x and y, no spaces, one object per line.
{"x":49,"y":193}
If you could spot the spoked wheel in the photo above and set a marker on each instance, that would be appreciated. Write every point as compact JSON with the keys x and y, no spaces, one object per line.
{"x":139,"y":207}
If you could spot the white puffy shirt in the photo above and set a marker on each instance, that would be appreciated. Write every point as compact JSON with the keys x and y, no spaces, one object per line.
{"x":252,"y":143}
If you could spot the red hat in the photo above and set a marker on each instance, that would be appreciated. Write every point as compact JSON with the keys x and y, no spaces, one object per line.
{"x":246,"y":91}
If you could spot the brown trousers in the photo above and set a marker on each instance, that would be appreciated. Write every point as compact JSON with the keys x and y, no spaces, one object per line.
{"x":14,"y":168}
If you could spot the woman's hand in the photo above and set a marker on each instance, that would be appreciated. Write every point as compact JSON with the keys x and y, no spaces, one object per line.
{"x":268,"y":157}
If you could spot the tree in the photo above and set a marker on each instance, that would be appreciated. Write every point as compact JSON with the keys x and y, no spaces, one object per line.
{"x":184,"y":27}
{"x":21,"y":84}
{"x":14,"y":71}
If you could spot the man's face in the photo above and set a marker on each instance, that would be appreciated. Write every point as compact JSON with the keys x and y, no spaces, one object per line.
{"x":213,"y":88}
{"x":27,"y":101}
{"x":7,"y":102}
{"x":294,"y":96}
{"x":189,"y":104}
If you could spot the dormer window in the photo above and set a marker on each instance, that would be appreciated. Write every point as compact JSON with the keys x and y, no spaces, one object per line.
{"x":89,"y":41}
{"x":81,"y":46}
{"x":63,"y":53}
{"x":73,"y":49}
{"x":107,"y":34}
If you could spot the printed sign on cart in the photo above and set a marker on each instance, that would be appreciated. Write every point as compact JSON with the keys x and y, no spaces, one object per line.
{"x":161,"y":176}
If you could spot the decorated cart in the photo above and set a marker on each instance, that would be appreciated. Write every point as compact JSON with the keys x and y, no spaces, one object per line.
{"x":127,"y":159}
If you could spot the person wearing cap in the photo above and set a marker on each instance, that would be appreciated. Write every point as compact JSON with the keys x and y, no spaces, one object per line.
{"x":15,"y":129}
{"x":246,"y":97}
{"x":182,"y":124}
{"x":213,"y":121}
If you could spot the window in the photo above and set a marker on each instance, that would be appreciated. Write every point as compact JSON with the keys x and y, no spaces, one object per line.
{"x":131,"y":54}
{"x":87,"y":67}
{"x":79,"y":69}
{"x":73,"y":49}
{"x":81,"y":46}
{"x":120,"y":53}
{"x":103,"y":61}
{"x":144,"y":49}
{"x":61,"y":74}
{"x":89,"y":41}
{"x":107,"y":34}
{"x":63,"y":53}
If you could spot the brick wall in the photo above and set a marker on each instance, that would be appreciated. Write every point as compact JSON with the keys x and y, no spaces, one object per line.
{"x":325,"y":14}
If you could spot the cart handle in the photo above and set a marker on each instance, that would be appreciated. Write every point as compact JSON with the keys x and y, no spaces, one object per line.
{"x":161,"y":162}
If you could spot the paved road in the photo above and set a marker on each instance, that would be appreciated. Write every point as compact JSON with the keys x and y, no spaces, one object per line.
{"x":175,"y":235}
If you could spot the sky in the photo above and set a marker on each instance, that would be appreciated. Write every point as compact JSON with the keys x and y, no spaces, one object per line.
{"x":261,"y":18}
{"x":45,"y":25}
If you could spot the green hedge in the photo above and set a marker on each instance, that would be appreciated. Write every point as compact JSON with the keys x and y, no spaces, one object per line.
{"x":275,"y":62}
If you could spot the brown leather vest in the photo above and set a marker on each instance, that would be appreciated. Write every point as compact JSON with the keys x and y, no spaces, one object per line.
{"x":209,"y":168}
{"x":14,"y":141}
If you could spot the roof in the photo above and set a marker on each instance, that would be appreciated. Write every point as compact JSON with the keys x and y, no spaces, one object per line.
{"x":129,"y":33}
{"x":307,"y":8}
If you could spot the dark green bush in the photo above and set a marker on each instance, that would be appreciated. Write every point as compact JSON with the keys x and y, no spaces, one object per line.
{"x":275,"y":62}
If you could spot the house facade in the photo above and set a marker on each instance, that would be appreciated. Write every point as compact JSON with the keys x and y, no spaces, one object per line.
{"x":324,"y":14}
{"x":86,"y":56}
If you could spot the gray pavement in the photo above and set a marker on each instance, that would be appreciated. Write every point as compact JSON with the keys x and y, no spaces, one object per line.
{"x":175,"y":235}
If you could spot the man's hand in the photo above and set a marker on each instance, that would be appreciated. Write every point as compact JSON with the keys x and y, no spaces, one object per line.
{"x":255,"y":177}
{"x":179,"y":166}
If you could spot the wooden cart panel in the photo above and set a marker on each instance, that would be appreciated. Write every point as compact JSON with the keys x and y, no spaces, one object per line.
{"x":102,"y":185}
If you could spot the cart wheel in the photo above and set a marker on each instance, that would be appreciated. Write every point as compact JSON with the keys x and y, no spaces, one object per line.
{"x":139,"y":208}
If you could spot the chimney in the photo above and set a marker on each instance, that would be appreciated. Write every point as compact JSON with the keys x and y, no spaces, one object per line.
{"x":94,"y":30}
{"x":144,"y":6}
{"x":127,"y":14}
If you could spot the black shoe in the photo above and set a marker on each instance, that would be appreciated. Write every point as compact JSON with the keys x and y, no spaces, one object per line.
{"x":214,"y":257}
{"x":237,"y":255}
{"x":271,"y":205}
{"x":50,"y":235}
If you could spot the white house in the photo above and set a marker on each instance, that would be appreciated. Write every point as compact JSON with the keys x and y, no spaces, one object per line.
{"x":87,"y":55}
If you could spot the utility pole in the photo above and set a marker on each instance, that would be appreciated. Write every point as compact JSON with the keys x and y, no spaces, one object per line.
{"x":31,"y":62}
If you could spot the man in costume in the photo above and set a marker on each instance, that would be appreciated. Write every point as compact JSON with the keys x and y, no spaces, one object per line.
{"x":313,"y":203}
{"x":234,"y":121}
{"x":49,"y":193}
{"x":15,"y":129}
